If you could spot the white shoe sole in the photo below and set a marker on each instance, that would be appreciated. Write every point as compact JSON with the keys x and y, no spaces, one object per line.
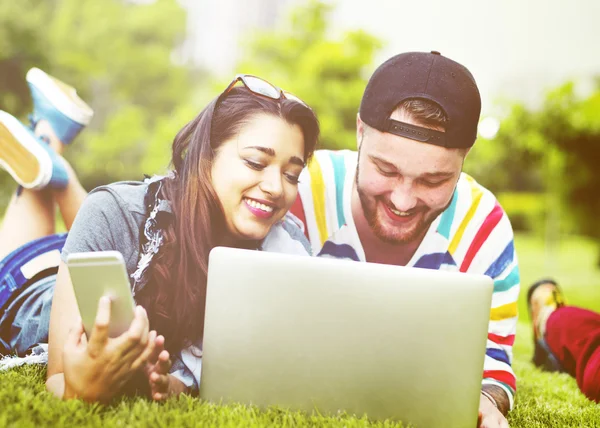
{"x":21,"y":155}
{"x":63,"y":96}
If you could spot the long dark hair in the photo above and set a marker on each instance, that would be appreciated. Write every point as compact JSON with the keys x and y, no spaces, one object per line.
{"x":175,"y":294}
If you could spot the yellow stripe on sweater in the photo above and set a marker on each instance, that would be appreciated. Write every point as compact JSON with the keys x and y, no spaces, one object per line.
{"x":504,"y":312}
{"x":476,"y":194}
{"x":317,"y":186}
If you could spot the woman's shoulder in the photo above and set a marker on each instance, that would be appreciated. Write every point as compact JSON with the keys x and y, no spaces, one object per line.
{"x":110,"y":219}
{"x":127,"y":195}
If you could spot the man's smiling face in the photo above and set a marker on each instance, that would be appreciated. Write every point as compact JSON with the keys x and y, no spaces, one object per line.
{"x":404,"y":184}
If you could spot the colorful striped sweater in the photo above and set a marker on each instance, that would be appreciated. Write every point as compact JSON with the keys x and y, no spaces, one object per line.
{"x":472,"y":235}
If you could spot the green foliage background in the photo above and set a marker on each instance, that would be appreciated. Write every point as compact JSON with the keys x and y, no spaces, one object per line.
{"x":119,"y":57}
{"x":124,"y":59}
{"x":329,"y":75}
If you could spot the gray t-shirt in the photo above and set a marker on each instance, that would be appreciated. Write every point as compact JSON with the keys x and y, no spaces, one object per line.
{"x":112,"y":217}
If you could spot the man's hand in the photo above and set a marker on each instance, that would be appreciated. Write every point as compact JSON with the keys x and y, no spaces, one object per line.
{"x":489,"y":415}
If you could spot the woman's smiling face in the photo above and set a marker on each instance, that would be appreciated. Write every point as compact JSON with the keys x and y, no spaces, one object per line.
{"x":255,"y":175}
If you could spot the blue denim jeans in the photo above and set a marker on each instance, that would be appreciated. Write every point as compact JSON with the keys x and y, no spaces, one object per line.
{"x":27,"y":279}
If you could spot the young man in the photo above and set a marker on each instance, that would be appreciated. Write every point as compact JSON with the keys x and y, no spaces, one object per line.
{"x":402,"y":198}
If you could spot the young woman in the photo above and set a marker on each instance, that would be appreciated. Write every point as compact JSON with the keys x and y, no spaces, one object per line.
{"x":235,"y":174}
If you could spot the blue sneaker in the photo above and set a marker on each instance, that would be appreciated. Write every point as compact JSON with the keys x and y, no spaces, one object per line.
{"x":32,"y":163}
{"x":59,"y":104}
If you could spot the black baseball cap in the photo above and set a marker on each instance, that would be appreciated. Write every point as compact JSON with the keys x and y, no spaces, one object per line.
{"x":429,"y":76}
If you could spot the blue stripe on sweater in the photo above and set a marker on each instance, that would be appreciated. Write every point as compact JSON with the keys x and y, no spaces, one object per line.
{"x":498,"y":355}
{"x":339,"y":173}
{"x":448,"y":217}
{"x":502,"y":261}
{"x":340,"y":251}
{"x":435,"y":260}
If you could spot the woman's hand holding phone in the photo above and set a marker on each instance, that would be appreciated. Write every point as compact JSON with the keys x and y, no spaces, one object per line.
{"x":97,"y":369}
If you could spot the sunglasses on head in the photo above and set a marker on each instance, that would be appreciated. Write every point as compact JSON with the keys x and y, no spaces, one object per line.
{"x":262,"y":88}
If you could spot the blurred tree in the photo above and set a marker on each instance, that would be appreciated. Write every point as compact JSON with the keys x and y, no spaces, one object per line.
{"x":513,"y":159}
{"x":572,"y":125}
{"x":119,"y":56}
{"x":122,"y":60}
{"x":22,"y":46}
{"x":561,"y":139}
{"x":329,"y":75}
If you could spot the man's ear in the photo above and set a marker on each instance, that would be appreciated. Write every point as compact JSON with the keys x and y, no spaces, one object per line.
{"x":360,"y":131}
{"x":464,"y":152}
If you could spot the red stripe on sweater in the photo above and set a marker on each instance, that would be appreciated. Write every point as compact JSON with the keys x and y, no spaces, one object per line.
{"x":502,"y":340}
{"x":482,"y":234}
{"x":298,"y":210}
{"x":501,"y":376}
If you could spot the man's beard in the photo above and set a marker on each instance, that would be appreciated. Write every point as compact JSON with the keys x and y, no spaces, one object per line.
{"x":395,"y":236}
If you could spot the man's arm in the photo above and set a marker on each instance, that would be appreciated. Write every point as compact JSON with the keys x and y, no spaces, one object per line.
{"x":492,"y":253}
{"x":499,"y":396}
{"x":498,"y":372}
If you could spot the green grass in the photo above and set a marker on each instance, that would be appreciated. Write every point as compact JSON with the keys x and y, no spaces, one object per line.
{"x":543,"y":399}
{"x":571,"y":263}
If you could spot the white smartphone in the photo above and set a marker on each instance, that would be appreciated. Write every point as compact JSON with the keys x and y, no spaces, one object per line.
{"x":102,"y":273}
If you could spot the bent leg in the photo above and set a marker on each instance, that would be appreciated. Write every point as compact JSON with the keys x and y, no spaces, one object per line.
{"x":573,"y":335}
{"x":26,"y":321}
{"x":23,"y":264}
{"x":27,"y":277}
{"x":28,"y":217}
{"x":70,"y":197}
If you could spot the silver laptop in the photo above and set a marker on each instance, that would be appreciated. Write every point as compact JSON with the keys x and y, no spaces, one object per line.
{"x":309,"y":334}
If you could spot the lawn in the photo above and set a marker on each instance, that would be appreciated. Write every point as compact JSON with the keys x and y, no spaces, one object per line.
{"x":543,"y":400}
